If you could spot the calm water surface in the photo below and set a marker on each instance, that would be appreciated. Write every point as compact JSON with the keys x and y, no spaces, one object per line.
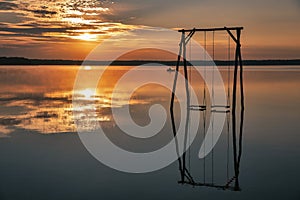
{"x":42,"y":156}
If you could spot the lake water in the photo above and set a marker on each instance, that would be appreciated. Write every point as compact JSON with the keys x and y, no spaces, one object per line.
{"x":42,"y":156}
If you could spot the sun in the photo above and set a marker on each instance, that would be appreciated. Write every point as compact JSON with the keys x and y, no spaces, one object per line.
{"x":87,"y":37}
{"x":88,"y":94}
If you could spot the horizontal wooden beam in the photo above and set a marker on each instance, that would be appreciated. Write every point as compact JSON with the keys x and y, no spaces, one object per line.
{"x":224,"y":187}
{"x":211,"y":29}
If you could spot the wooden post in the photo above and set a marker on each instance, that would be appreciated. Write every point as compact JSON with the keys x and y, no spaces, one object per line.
{"x":172,"y":105}
{"x":236,"y":63}
{"x":187,"y":102}
{"x":241,"y":68}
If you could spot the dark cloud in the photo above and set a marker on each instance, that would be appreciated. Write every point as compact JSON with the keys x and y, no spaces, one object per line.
{"x":44,"y":12}
{"x":9,"y":121}
{"x":12,"y":17}
{"x":7,"y":5}
{"x":35,"y":31}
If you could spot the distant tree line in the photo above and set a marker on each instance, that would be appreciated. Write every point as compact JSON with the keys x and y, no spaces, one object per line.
{"x":26,"y":61}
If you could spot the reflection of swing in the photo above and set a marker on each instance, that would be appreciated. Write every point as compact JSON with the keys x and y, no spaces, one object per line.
{"x":186,"y":177}
{"x":232,"y":181}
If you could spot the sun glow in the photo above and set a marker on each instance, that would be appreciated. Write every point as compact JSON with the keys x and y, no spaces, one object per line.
{"x":87,"y":93}
{"x":86,"y":37}
{"x":87,"y":68}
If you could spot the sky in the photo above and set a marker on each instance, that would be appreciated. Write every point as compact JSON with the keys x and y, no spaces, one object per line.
{"x":70,"y":29}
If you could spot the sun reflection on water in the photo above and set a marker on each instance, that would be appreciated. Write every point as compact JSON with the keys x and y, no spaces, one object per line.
{"x":40,"y":99}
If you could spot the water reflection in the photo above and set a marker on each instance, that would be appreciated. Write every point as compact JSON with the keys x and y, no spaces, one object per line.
{"x":210,"y":111}
{"x":40,"y":98}
{"x":270,"y":154}
{"x":229,"y":181}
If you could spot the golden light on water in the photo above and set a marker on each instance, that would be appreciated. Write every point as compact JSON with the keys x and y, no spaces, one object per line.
{"x":41,"y":99}
{"x":88,"y":94}
{"x":87,"y":67}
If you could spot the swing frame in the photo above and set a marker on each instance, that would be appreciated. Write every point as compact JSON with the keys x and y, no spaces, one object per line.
{"x":238,"y":63}
{"x":186,"y":36}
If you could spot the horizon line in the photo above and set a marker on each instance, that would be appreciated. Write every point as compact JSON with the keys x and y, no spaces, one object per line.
{"x":29,"y":61}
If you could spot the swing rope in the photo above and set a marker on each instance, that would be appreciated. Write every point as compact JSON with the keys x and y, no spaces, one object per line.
{"x":213,"y":71}
{"x":213,"y":77}
{"x":228,"y":102}
{"x":204,"y":85}
{"x":190,"y":75}
{"x":228,"y":72}
{"x":204,"y":103}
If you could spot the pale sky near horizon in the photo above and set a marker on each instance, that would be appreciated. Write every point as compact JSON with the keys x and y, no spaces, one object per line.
{"x":69,"y":29}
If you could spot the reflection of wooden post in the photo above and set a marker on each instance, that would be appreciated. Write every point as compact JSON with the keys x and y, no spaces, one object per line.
{"x":237,"y":154}
{"x":235,"y":163}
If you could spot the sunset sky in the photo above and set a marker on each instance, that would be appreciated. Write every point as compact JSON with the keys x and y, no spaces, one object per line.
{"x":70,"y":29}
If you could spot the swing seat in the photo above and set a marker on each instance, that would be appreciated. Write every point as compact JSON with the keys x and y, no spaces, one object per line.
{"x":198,"y":106}
{"x":220,"y":106}
{"x":220,"y":111}
{"x":197,"y":109}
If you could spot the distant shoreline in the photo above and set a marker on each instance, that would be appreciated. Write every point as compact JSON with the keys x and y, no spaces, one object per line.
{"x":26,"y":61}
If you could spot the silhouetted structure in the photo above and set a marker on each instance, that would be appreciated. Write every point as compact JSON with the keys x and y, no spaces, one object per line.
{"x":186,"y":176}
